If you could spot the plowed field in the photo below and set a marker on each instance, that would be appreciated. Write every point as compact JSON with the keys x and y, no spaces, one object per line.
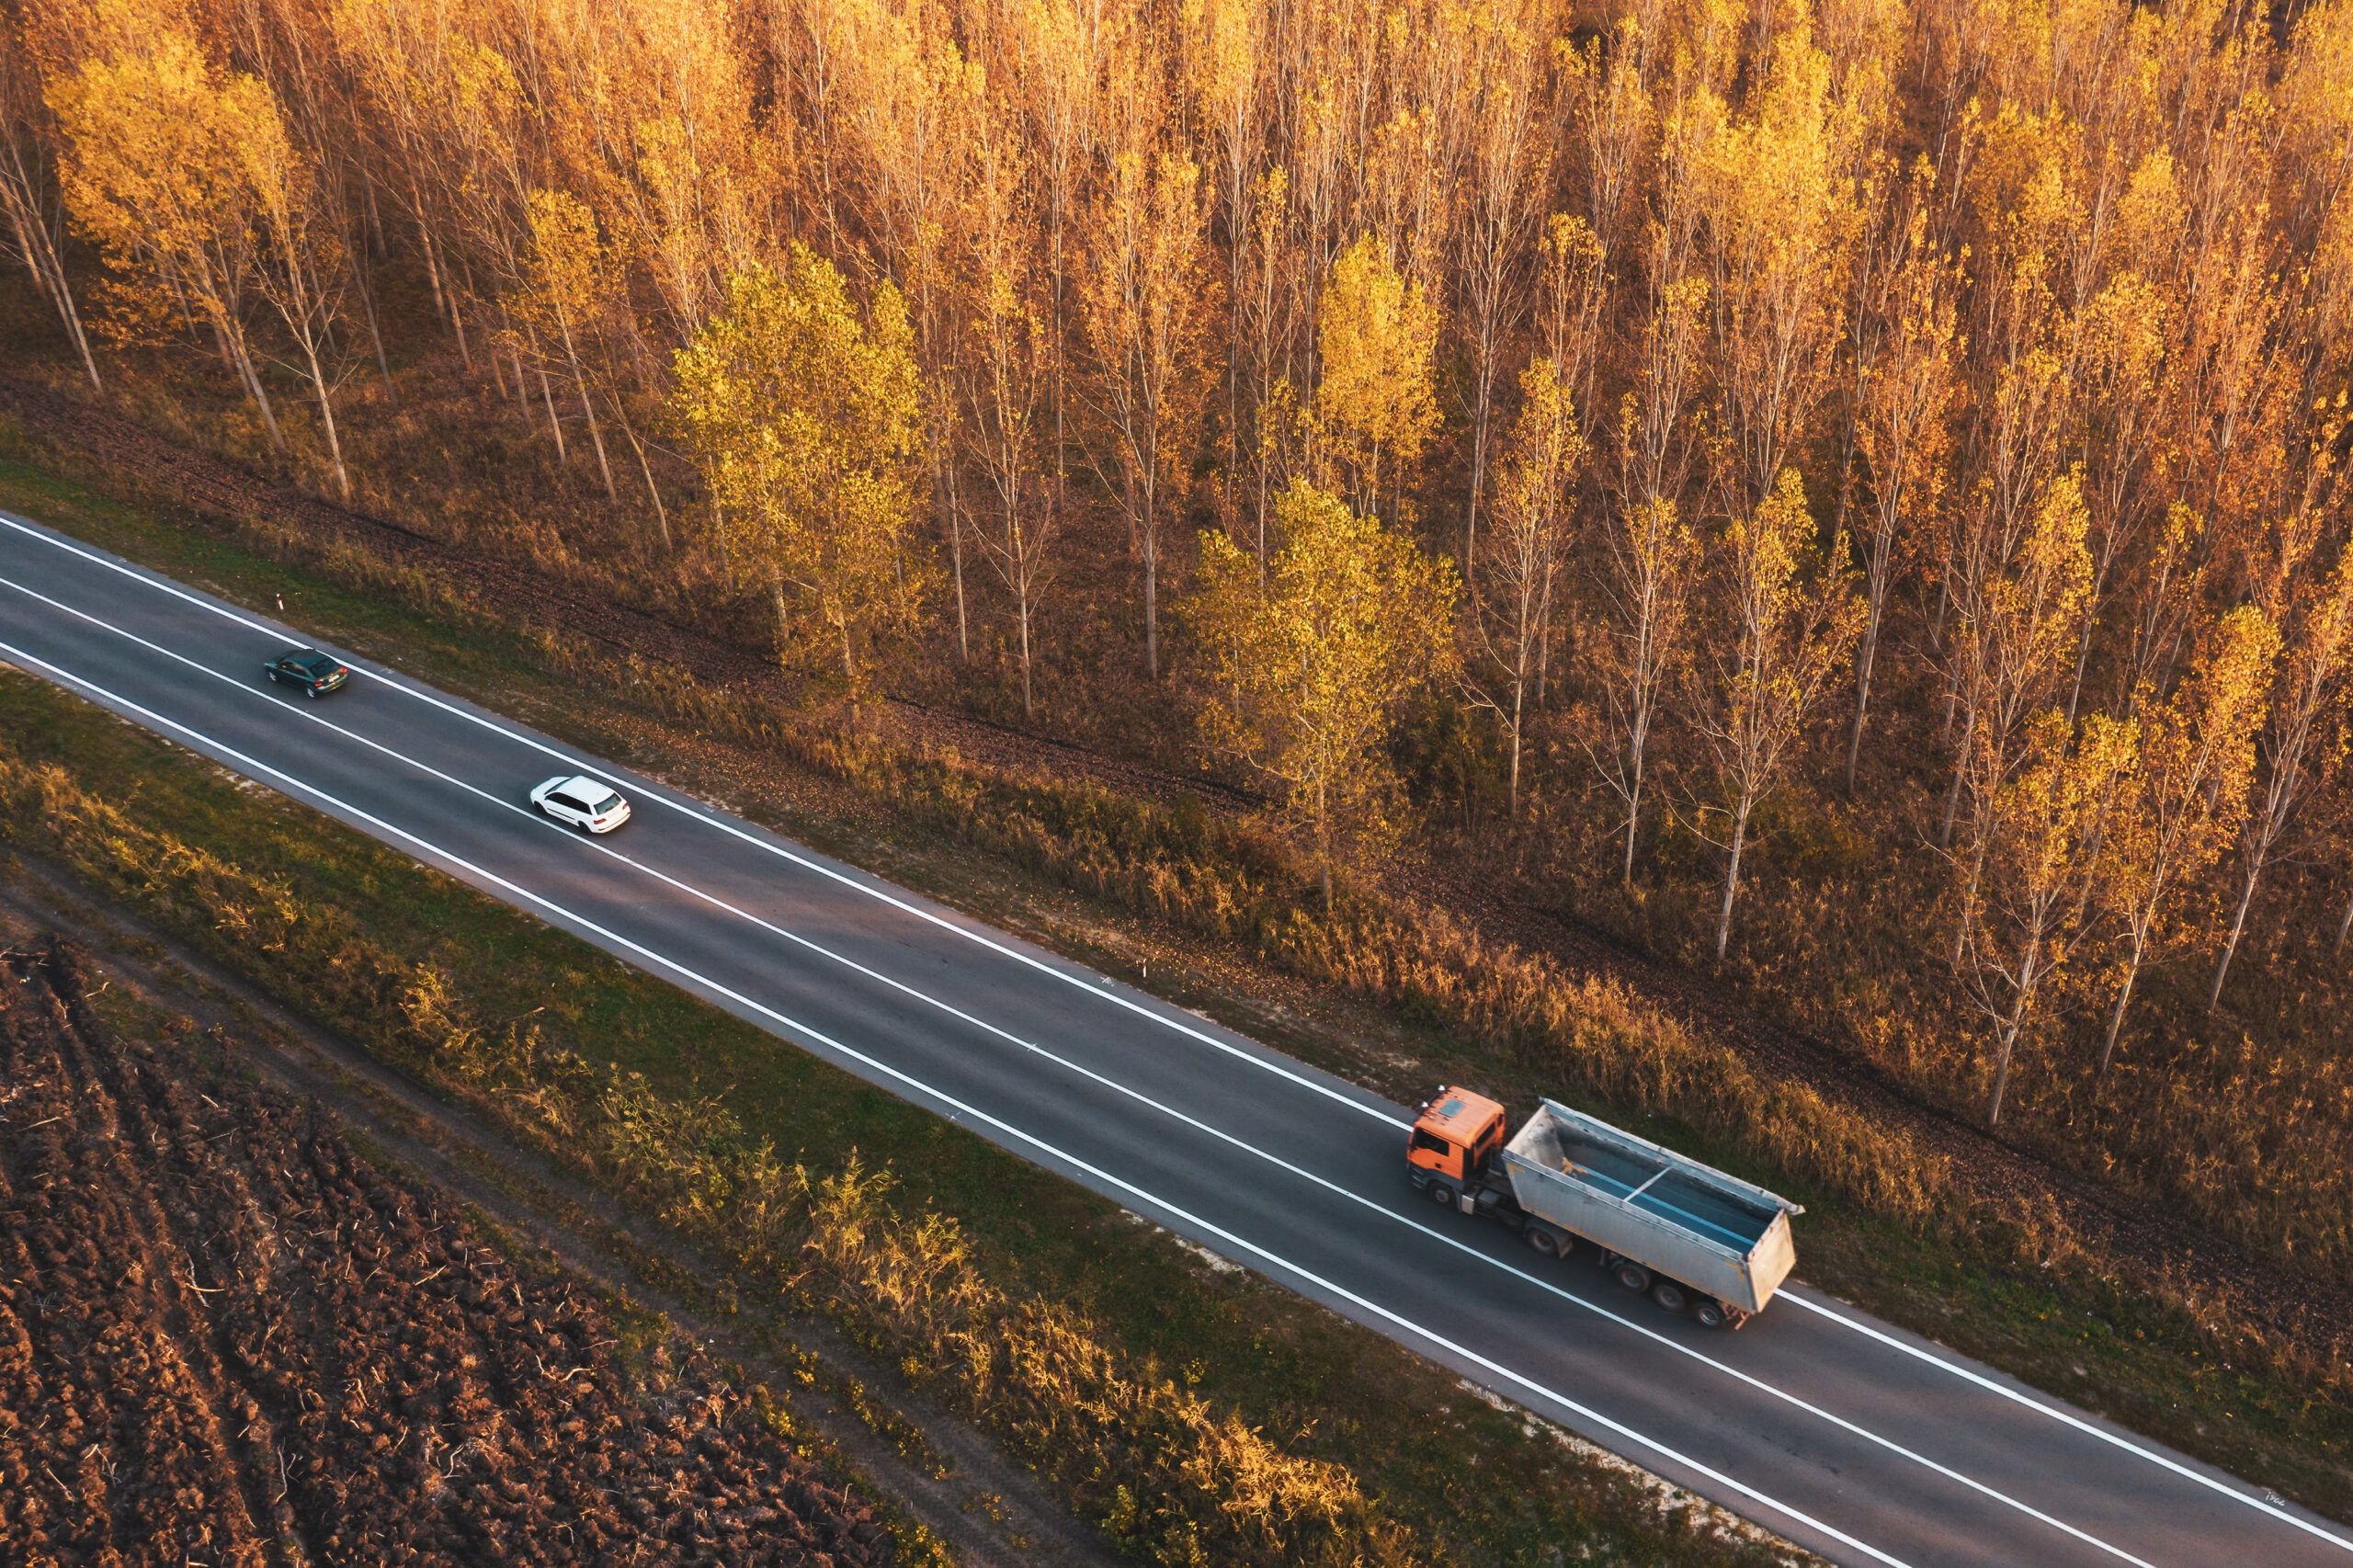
{"x":226,"y":1339}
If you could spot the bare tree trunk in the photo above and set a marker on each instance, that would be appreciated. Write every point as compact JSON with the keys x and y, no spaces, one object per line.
{"x":1518,"y":724}
{"x":233,"y":346}
{"x":587,"y":407}
{"x":661,"y":513}
{"x":1633,"y":813}
{"x":1482,"y":412}
{"x":944,"y":506}
{"x":1323,"y":843}
{"x":1028,"y":707}
{"x":1960,"y":772}
{"x":849,"y":674}
{"x":596,"y":434}
{"x":1732,"y":878}
{"x":2116,"y":1017}
{"x":375,"y":334}
{"x":2083,"y":656}
{"x":48,"y":271}
{"x":2231,"y":942}
{"x":2010,"y":1037}
{"x":1866,"y":655}
{"x":432,"y":270}
{"x":555,"y":420}
{"x":326,"y":418}
{"x":74,"y":328}
{"x":375,"y":219}
{"x":1151,"y":605}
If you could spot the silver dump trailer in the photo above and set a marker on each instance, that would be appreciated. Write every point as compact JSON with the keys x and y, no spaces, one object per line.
{"x":1666,"y":1215}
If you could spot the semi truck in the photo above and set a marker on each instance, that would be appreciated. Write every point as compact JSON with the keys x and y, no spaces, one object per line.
{"x":1691,"y":1236}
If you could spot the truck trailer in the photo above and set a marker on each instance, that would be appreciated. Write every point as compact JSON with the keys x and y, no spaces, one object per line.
{"x":1691,"y":1236}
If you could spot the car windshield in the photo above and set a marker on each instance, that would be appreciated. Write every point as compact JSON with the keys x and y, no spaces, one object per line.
{"x":318,"y":665}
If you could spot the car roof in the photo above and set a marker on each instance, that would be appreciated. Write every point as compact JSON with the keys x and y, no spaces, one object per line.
{"x":308,"y":657}
{"x":587,"y":789}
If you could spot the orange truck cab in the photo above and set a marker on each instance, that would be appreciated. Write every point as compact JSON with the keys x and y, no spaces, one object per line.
{"x":1457,"y":1133}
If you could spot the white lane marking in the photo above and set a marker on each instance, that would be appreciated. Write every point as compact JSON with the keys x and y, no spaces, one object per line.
{"x":2071,"y":1419}
{"x":1140,"y":1097}
{"x":1095,"y":986}
{"x":1954,"y":1368}
{"x":783,"y":1022}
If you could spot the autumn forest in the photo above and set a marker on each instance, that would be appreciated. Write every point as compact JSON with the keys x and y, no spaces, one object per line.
{"x":1843,"y":495}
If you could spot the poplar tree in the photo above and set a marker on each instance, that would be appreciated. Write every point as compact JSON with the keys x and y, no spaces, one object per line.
{"x":303,"y":272}
{"x":1148,"y":293}
{"x":1517,"y":565}
{"x":33,"y":208}
{"x":154,"y":170}
{"x":1905,"y":343}
{"x":1507,"y":172}
{"x":2180,"y":804}
{"x":2320,"y":656}
{"x":1310,"y":664}
{"x":805,"y":421}
{"x":1376,"y":405}
{"x":2032,"y":908}
{"x":1788,"y":628}
{"x":1006,"y":380}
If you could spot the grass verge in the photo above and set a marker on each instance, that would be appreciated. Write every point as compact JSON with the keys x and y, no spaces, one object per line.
{"x":2000,"y":1277}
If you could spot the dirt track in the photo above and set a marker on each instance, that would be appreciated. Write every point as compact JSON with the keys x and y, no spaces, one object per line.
{"x":226,"y":1337}
{"x":2136,"y":1235}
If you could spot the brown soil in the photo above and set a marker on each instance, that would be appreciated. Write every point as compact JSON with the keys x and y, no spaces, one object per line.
{"x":226,"y":1337}
{"x":941,"y":1471}
{"x":2121,"y":1231}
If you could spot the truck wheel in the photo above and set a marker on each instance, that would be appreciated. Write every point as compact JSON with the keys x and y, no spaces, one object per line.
{"x":1542,"y":1240}
{"x":1632,"y":1275}
{"x":1668,"y":1294}
{"x":1440,"y":1194}
{"x":1709,"y":1313}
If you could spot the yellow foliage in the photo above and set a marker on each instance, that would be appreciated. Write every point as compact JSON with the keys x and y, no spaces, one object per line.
{"x":155,"y":172}
{"x":1312,"y":659}
{"x":1375,"y":402}
{"x":804,"y":421}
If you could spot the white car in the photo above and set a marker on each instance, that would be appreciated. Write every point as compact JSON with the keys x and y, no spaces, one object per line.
{"x":582,"y":802}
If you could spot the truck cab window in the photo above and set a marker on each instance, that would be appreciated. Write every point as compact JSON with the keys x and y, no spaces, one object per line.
{"x":1433,"y":1143}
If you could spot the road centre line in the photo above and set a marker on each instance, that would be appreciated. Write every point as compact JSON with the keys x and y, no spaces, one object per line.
{"x":1312,"y":1178}
{"x":2053,"y":1412}
{"x":1103,"y":990}
{"x":1139,"y":1194}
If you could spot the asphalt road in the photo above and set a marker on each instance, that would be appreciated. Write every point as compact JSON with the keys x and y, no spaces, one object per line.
{"x":1861,"y":1441}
